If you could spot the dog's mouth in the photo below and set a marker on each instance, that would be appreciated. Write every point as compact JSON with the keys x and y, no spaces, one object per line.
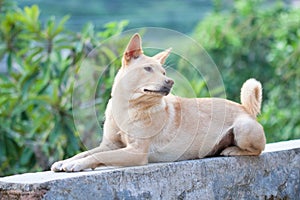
{"x":162,"y":91}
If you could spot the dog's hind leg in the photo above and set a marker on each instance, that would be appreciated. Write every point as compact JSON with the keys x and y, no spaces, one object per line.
{"x":249,"y":138}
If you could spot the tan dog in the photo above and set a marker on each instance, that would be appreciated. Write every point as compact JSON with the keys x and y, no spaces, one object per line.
{"x":144,"y":123}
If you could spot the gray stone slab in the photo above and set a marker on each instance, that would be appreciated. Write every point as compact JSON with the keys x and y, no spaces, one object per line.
{"x":273,"y":175}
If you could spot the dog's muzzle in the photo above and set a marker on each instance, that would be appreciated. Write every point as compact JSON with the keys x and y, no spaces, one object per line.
{"x":166,"y":88}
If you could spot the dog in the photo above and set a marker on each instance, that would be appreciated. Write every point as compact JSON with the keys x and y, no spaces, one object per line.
{"x":144,"y":123}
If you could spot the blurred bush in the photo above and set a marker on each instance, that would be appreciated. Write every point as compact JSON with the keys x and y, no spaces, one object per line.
{"x":36,"y":120}
{"x":259,"y":39}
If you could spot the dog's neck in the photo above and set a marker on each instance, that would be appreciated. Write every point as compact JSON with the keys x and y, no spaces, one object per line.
{"x":147,"y":103}
{"x":138,"y":112}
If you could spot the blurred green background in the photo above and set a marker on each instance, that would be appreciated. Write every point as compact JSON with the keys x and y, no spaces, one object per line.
{"x":43,"y":44}
{"x":177,"y":15}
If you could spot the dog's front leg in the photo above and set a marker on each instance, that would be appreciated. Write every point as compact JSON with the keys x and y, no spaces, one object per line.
{"x":128,"y":156}
{"x":106,"y":145}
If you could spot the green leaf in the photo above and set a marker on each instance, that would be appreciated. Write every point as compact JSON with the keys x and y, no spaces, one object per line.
{"x":27,"y":81}
{"x":60,"y":26}
{"x":9,"y":61}
{"x":26,"y":156}
{"x":38,"y":123}
{"x":2,"y":147}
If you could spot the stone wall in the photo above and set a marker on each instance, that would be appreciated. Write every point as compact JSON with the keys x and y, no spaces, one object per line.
{"x":273,"y":175}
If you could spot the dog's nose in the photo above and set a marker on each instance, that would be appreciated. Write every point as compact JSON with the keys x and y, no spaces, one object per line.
{"x":169,"y":82}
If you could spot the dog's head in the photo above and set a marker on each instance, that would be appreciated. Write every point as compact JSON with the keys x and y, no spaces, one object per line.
{"x":141,"y":75}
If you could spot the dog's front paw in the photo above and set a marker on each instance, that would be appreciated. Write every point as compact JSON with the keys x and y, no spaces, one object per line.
{"x":74,"y":166}
{"x":57,"y":166}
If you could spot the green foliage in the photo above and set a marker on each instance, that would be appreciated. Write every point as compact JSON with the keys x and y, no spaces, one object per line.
{"x":36,"y":121}
{"x":261,"y":40}
{"x":281,"y":113}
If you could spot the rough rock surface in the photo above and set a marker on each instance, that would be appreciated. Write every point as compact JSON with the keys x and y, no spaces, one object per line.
{"x":273,"y":175}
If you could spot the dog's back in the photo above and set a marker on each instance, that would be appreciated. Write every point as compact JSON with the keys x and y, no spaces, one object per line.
{"x":196,"y":128}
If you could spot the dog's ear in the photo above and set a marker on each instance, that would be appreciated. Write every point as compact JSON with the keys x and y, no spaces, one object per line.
{"x":133,"y":49}
{"x":162,"y":56}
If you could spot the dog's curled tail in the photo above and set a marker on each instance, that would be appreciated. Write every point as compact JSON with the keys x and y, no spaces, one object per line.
{"x":251,"y":96}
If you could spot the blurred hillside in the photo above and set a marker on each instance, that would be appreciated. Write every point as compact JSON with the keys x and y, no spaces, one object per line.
{"x":177,"y":15}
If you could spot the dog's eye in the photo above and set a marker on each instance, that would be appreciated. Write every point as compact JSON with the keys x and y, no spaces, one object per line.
{"x":148,"y":69}
{"x":164,"y":73}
